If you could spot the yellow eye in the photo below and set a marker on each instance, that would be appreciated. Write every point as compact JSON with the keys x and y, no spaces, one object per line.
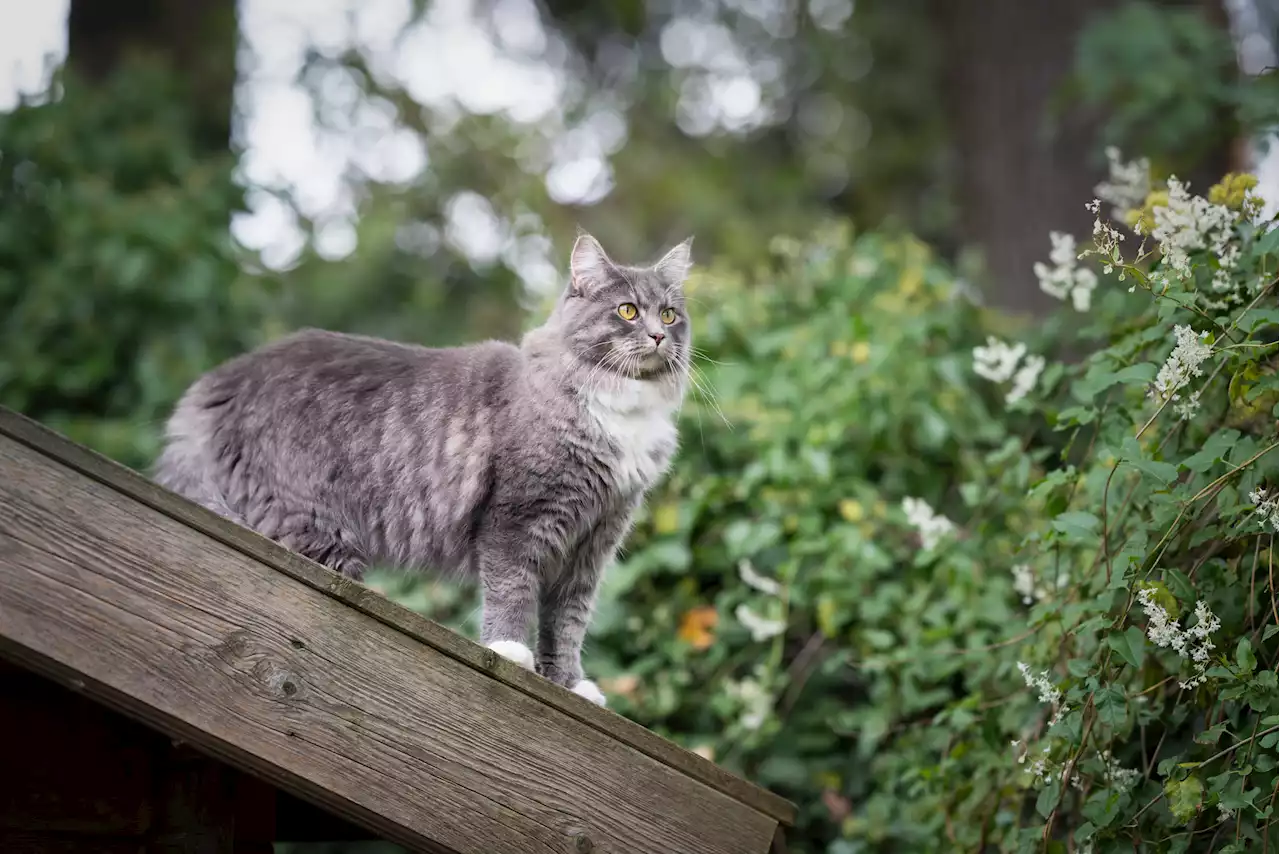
{"x":627,"y":311}
{"x":668,"y":316}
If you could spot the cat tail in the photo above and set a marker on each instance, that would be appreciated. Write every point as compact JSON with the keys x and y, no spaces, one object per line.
{"x":187,"y":464}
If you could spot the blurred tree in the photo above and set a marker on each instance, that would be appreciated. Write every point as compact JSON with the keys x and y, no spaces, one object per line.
{"x":1032,"y":90}
{"x":195,"y":39}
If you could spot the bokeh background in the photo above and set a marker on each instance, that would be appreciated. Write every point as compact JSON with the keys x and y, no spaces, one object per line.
{"x":181,"y":180}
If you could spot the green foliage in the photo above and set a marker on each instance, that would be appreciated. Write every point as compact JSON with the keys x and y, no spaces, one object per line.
{"x":781,"y":610}
{"x":1169,"y":81}
{"x":118,"y":279}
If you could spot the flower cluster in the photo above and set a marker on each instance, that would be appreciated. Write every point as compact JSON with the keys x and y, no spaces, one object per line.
{"x":761,"y":628}
{"x":1031,"y":588}
{"x":1185,"y":223}
{"x":1266,"y":506}
{"x":1193,"y":644}
{"x":932,"y":527}
{"x":756,"y":701}
{"x":1049,"y":693}
{"x":1127,"y":184}
{"x":1115,"y":774}
{"x":998,"y":362}
{"x":1183,"y":363}
{"x":1066,"y":277}
{"x":1042,"y":769}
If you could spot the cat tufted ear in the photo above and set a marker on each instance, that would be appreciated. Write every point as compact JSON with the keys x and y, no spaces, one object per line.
{"x":674,"y":266}
{"x":589,"y":266}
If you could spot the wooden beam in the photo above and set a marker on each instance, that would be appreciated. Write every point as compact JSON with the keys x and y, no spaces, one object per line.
{"x":320,"y":685}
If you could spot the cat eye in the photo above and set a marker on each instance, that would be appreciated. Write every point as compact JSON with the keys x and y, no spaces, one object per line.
{"x":668,"y":316}
{"x":628,"y":311}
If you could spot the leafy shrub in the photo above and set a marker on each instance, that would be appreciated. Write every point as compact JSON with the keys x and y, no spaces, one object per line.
{"x":119,"y":282}
{"x":1086,"y":655}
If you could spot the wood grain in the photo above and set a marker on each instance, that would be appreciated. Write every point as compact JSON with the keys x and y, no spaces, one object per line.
{"x":355,"y":595}
{"x":285,"y":680}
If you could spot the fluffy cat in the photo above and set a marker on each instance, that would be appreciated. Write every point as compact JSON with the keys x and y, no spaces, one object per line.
{"x":519,"y":465}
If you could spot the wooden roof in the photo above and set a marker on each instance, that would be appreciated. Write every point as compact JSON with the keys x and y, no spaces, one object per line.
{"x":276,"y":665}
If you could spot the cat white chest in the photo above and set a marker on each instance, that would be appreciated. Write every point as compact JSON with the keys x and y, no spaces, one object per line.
{"x":638,"y":418}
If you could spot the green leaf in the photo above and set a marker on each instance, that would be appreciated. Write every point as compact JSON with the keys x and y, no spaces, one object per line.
{"x":1245,"y":658}
{"x":1076,"y":522}
{"x":1112,"y":706}
{"x":1212,"y":734}
{"x":1163,"y":473}
{"x":1129,"y":645}
{"x":1184,"y":797}
{"x":1048,"y":798}
{"x":1180,"y":584}
{"x":1215,"y":448}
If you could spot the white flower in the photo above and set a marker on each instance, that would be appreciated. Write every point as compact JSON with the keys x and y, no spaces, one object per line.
{"x":1266,"y":506}
{"x":1127,"y":184}
{"x":1024,"y":582}
{"x":1188,"y":407}
{"x":748,"y":573}
{"x":1183,"y":363}
{"x":1189,"y":223}
{"x":1192,"y":644}
{"x":1065,"y":278}
{"x":761,"y":628}
{"x":998,"y":362}
{"x":755,"y":700}
{"x":1106,"y":242}
{"x":1026,"y":585}
{"x":1048,"y":692}
{"x":1119,"y":777}
{"x":932,"y":528}
{"x":1025,"y":379}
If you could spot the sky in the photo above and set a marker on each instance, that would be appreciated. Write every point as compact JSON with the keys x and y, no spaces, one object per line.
{"x":453,"y":62}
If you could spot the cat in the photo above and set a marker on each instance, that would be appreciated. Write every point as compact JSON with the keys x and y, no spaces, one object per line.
{"x":520,"y":465}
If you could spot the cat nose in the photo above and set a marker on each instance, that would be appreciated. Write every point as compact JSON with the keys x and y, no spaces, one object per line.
{"x":657,"y":338}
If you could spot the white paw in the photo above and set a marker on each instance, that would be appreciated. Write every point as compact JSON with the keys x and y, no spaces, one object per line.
{"x":514,"y":651}
{"x":587,"y":688}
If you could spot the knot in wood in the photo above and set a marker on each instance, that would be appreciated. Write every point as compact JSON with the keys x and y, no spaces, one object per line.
{"x":582,"y":843}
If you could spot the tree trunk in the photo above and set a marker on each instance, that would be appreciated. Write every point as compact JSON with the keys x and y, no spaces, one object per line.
{"x":196,"y":38}
{"x":1005,"y":59}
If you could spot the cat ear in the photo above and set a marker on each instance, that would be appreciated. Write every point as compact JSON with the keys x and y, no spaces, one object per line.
{"x":589,"y":266}
{"x":674,"y":266}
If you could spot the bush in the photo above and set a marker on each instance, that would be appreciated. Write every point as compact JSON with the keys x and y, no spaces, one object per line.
{"x":119,"y":282}
{"x":1085,"y":657}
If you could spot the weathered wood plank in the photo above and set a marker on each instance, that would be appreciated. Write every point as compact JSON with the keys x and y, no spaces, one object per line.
{"x":357,"y":596}
{"x":286,"y":681}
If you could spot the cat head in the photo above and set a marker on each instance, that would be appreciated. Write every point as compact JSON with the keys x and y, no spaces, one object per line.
{"x":626,"y":320}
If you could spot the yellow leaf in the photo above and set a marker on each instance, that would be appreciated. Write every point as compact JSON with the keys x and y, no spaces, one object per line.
{"x":851,"y":510}
{"x":666,"y":518}
{"x":860,"y":353}
{"x":910,"y":282}
{"x":624,"y":685}
{"x":696,"y":626}
{"x":827,"y":616}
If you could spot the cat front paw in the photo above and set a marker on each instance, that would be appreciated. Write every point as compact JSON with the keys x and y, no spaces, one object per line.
{"x":588,"y":689}
{"x":514,"y":651}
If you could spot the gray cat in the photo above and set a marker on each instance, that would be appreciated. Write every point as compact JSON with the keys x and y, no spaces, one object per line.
{"x":519,"y":465}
